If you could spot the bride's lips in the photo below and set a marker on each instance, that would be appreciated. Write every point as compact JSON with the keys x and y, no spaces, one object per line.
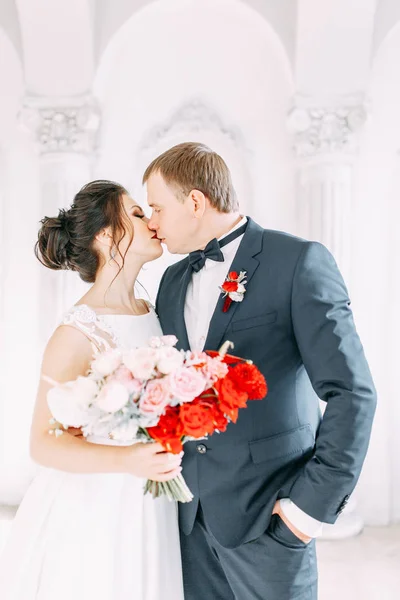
{"x":155,"y":237}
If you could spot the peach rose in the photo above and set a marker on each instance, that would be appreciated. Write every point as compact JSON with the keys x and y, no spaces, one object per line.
{"x":215,"y":369}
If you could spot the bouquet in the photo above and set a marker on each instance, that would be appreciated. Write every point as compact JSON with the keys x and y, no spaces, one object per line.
{"x":157,"y":393}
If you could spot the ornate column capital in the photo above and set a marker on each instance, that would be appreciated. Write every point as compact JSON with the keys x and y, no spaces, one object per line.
{"x":326,"y":127}
{"x":61,"y":125}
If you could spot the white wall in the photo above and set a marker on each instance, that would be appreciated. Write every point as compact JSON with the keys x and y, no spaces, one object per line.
{"x":376,"y":277}
{"x":19,"y":352}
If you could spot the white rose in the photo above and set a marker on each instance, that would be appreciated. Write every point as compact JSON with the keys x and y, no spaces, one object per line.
{"x":169,"y":359}
{"x":69,"y":402}
{"x":106,"y":362}
{"x":112,"y":397}
{"x":236,"y":297}
{"x":84,"y":390}
{"x":241,"y":289}
{"x":141,"y":362}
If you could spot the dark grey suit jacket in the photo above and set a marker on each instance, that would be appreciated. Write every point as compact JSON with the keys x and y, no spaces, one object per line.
{"x":296,"y":324}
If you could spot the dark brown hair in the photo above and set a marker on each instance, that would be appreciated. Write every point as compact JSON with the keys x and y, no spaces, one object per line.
{"x":193,"y":166}
{"x":67,"y":241}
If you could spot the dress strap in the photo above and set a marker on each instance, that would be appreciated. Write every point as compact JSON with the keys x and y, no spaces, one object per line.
{"x":86,"y":320}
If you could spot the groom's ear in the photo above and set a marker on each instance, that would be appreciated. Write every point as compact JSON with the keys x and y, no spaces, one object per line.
{"x":198,"y":203}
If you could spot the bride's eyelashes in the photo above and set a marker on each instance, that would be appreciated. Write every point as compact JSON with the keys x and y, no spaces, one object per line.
{"x":140,"y":214}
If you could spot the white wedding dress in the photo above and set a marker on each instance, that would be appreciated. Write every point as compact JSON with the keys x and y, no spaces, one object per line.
{"x":96,"y":536}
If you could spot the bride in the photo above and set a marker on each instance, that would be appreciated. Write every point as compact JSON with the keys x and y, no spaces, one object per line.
{"x":84,"y":529}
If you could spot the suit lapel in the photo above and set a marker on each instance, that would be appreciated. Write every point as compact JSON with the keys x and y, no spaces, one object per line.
{"x":244,"y":260}
{"x":180,"y":328}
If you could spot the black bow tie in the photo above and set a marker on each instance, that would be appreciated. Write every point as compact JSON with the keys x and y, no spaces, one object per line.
{"x":197,"y":259}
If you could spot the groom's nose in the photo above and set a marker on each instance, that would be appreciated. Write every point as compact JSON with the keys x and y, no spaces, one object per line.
{"x":151,"y":224}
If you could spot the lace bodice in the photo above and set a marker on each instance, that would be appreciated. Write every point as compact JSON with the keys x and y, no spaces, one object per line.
{"x":112,"y":330}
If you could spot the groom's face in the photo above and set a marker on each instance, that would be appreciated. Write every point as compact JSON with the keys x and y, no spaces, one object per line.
{"x":172,"y":218}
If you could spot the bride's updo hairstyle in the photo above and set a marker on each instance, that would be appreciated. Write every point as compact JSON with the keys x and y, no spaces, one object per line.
{"x":67,"y":241}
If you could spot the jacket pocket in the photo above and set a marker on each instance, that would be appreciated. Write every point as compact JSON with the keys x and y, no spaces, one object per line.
{"x":254,"y":321}
{"x":292,"y":442}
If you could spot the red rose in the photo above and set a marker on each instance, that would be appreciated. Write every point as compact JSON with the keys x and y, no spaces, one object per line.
{"x":174,"y":445}
{"x":230,"y":286}
{"x":230,"y":397}
{"x":249,"y":379}
{"x":233,"y":275}
{"x":233,"y":414}
{"x":197,"y":417}
{"x":220,"y":421}
{"x":169,"y":430}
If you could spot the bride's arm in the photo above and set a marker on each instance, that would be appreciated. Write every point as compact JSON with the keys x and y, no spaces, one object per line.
{"x":68,"y":355}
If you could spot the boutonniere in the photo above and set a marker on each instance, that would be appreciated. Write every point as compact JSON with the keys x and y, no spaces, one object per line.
{"x":233,"y":288}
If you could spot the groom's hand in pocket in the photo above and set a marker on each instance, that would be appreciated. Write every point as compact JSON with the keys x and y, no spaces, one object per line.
{"x":302,"y":536}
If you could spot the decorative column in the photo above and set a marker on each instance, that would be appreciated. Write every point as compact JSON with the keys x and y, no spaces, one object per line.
{"x":65,"y":134}
{"x":326,"y":144}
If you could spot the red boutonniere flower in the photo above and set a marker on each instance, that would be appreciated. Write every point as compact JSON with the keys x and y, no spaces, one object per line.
{"x":233,"y":288}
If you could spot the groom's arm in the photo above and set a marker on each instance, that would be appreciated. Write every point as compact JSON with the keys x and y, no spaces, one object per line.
{"x":334,"y":359}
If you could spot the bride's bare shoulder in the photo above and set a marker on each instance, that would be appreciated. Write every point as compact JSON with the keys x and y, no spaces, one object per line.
{"x":68,"y":354}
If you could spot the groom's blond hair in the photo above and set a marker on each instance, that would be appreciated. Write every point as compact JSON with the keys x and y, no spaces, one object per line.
{"x":193,"y":166}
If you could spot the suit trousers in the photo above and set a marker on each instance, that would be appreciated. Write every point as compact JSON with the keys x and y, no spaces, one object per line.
{"x":275,"y":566}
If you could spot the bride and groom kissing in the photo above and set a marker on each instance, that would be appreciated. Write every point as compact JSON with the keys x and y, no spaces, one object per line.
{"x":263,"y":489}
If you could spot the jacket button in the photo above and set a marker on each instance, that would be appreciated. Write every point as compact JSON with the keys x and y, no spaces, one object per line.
{"x":201,"y":448}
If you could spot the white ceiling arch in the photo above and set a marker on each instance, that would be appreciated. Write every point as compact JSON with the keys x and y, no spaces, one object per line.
{"x":387,"y":17}
{"x":9,"y":22}
{"x":57,"y":44}
{"x":112,"y":15}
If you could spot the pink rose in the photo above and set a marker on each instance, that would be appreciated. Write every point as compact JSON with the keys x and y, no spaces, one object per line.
{"x":155,"y":397}
{"x":186,"y":383}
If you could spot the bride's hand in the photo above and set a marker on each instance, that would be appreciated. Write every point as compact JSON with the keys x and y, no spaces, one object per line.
{"x":151,"y":461}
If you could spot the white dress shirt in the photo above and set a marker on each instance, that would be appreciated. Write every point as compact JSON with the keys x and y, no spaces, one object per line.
{"x":201,"y":299}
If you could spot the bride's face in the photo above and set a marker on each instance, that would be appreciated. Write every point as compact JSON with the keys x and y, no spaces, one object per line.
{"x":144,"y":245}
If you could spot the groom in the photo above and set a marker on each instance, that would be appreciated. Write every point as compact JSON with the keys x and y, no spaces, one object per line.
{"x":264,"y":487}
